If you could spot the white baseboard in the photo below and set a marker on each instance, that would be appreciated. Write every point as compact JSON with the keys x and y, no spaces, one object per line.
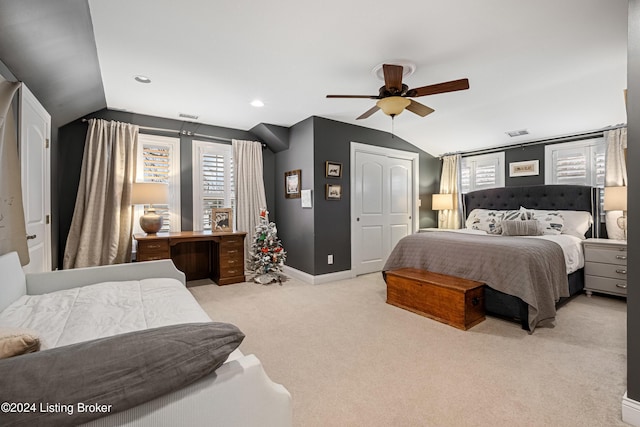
{"x":316,"y":280}
{"x":630,"y":411}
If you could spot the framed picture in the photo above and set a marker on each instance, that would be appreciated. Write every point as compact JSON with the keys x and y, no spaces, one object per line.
{"x":292,"y":184}
{"x":221,"y":219}
{"x":527,"y":168}
{"x":333,"y":170}
{"x":333,"y":192}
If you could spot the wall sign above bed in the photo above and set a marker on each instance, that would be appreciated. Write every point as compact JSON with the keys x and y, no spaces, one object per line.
{"x":526,"y":168}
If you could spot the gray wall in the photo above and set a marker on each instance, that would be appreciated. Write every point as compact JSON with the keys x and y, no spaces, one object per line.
{"x":633,"y":120}
{"x":520,"y":154}
{"x":295,"y":224}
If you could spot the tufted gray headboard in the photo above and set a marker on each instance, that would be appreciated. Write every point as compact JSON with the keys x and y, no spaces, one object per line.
{"x":548,"y":197}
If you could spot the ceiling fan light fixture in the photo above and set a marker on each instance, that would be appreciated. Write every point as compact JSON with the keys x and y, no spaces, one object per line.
{"x":393,"y":105}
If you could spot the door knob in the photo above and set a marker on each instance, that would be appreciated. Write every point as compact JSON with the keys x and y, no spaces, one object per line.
{"x":31,"y":236}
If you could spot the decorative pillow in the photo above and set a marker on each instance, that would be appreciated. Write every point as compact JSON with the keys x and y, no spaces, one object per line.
{"x":17,"y":341}
{"x":485,"y":220}
{"x":551,"y":223}
{"x":576,"y":223}
{"x":117,"y":372}
{"x":514,"y":215}
{"x":518,"y":227}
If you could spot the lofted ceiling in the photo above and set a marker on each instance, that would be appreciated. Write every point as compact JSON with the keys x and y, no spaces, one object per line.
{"x":551,"y":67}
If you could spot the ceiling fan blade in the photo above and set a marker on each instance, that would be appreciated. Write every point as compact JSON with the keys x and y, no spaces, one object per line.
{"x":451,"y":86}
{"x":392,"y":77}
{"x":419,"y":109}
{"x":369,"y":112}
{"x":354,"y":96}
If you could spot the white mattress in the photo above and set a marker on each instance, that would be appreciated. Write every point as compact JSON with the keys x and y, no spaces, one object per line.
{"x":571,"y":245}
{"x":104,"y":309}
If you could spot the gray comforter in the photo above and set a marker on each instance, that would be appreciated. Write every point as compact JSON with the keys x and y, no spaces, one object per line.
{"x":533,"y":270}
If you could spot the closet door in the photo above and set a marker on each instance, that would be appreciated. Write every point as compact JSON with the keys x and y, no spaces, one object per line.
{"x":35,"y":131}
{"x":382,"y":204}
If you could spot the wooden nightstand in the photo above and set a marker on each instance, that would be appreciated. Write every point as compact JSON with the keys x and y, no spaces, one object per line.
{"x":605,"y":266}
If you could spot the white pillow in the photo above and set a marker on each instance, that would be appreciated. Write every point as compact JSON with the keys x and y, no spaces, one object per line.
{"x":551,"y":223}
{"x":576,"y":223}
{"x":486,"y":220}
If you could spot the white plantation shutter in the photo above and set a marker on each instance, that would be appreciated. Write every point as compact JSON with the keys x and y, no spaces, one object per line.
{"x":482,"y":172}
{"x":159,"y":161}
{"x":577,"y":163}
{"x":213,"y":181}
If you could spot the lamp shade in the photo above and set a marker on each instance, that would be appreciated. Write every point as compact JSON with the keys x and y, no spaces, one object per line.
{"x":149,"y":193}
{"x":615,"y":198}
{"x":440,"y":202}
{"x":393,"y":105}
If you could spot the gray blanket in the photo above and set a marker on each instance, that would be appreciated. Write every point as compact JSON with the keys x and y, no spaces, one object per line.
{"x":533,"y":270}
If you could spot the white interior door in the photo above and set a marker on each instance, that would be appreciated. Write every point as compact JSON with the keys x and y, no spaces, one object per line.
{"x":35,"y":130}
{"x":384,"y":188}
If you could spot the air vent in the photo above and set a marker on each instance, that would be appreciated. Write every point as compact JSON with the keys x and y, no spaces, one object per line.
{"x":514,"y":133}
{"x":188,"y":116}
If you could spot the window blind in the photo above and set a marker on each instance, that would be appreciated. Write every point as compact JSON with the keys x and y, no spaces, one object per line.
{"x":156,"y":161}
{"x":217,"y":183}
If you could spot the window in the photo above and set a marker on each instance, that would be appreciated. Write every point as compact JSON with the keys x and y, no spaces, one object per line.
{"x":578,"y":163}
{"x":482,"y":172}
{"x":213,"y":181}
{"x":158,"y":160}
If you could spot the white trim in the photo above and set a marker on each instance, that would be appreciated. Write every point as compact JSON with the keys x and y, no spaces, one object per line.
{"x":630,"y":411}
{"x":389,"y":152}
{"x":317,"y":280}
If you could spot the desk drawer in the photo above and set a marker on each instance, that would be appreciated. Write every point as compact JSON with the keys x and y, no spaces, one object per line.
{"x":228,"y":271}
{"x":151,"y":250}
{"x":231,"y":261}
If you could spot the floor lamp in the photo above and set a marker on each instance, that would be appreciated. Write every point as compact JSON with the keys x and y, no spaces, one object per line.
{"x":615,"y":199}
{"x":442,"y":203}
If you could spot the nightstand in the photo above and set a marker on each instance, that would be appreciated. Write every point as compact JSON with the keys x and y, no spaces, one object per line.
{"x":605,"y":266}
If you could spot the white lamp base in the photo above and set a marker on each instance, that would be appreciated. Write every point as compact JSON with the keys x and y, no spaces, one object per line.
{"x":622,"y":223}
{"x":151,"y":222}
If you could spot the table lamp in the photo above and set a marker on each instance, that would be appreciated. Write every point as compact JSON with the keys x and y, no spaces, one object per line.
{"x":615,"y":199}
{"x":442,"y":202}
{"x":150,"y":193}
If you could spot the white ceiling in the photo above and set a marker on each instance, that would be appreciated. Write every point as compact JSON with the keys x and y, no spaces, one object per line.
{"x":552,"y":67}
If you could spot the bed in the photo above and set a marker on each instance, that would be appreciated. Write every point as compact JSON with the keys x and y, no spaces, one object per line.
{"x":527,"y":277}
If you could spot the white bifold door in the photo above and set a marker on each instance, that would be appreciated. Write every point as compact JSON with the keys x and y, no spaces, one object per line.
{"x":35,"y":131}
{"x":383,"y":205}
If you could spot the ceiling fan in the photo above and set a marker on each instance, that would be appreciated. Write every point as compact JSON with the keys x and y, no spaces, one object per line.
{"x":393,"y":96}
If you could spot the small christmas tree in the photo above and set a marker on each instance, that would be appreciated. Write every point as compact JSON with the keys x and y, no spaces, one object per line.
{"x":267,"y":253}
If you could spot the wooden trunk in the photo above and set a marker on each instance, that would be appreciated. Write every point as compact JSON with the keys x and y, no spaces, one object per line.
{"x":452,"y":300}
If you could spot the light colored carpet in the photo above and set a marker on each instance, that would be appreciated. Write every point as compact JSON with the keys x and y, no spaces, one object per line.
{"x":350,"y":359}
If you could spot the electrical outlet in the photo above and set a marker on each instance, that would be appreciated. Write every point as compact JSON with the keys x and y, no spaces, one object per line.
{"x":330,"y":259}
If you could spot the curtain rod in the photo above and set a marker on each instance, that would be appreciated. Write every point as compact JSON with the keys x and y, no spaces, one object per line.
{"x":554,"y":140}
{"x":185,"y":133}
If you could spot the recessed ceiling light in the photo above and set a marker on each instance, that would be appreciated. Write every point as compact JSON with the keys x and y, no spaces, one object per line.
{"x":142,"y":79}
{"x":257,"y":103}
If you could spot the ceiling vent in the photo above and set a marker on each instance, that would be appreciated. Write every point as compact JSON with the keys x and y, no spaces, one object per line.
{"x":188,"y":116}
{"x":515,"y":133}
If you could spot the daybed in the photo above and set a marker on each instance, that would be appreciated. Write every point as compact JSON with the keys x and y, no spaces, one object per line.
{"x":526,"y":276}
{"x":132,"y":309}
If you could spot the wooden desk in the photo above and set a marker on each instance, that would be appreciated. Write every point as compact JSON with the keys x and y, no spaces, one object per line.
{"x":199,"y":254}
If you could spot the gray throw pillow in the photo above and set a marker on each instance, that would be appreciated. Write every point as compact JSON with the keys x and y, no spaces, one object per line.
{"x":117,"y":372}
{"x":521,"y":228}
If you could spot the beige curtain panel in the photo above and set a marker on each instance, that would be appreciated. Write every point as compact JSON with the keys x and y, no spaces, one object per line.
{"x":250,"y":194}
{"x":13,"y":233}
{"x":450,"y":184}
{"x":101,"y":227}
{"x":615,"y":175}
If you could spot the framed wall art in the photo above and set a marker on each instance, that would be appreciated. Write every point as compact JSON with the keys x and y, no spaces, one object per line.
{"x":526,"y":168}
{"x":221,"y":219}
{"x":333,"y":170}
{"x":333,"y":191}
{"x":292,"y":181}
